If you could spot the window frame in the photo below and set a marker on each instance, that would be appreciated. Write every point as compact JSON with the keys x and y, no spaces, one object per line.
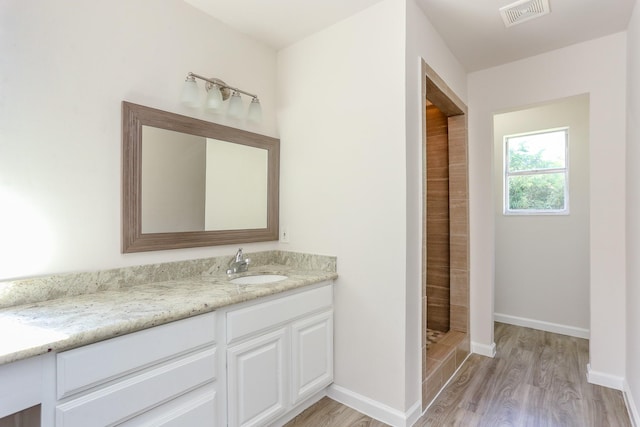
{"x":534,"y":172}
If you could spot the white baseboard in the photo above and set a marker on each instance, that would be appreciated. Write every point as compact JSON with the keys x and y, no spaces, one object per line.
{"x":571,"y":331}
{"x":413,"y":414}
{"x":375,"y":409}
{"x":631,"y":406}
{"x":483,"y":349}
{"x":605,"y":380}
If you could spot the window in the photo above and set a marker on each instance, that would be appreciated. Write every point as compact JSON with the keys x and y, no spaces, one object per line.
{"x":537,"y":173}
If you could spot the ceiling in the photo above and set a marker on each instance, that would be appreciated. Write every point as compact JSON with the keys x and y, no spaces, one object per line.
{"x":472,"y":29}
{"x":280,"y":23}
{"x":476,"y":34}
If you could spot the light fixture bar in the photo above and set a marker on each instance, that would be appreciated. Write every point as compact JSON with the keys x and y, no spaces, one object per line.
{"x":221,"y":84}
{"x":218,"y":92}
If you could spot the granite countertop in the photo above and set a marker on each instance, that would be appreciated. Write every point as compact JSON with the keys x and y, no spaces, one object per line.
{"x":59,"y":324}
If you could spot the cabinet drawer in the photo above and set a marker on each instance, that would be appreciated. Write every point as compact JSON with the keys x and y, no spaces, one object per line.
{"x":140,"y":393}
{"x":255,"y":318}
{"x":94,"y":364}
{"x":195,"y":409}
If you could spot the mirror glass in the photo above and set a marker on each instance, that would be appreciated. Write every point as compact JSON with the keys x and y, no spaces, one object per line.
{"x":188,"y":182}
{"x":193,"y":183}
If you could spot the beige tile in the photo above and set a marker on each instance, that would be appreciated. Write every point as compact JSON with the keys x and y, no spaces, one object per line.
{"x":438,"y":233}
{"x":461,"y":355}
{"x":459,"y":252}
{"x":458,"y":182}
{"x":465,"y":344}
{"x":424,"y":363}
{"x":437,"y":129}
{"x":437,"y":189}
{"x":457,"y":134}
{"x":445,"y":241}
{"x":459,"y":218}
{"x":438,"y":253}
{"x":439,"y":275}
{"x":438,"y":227}
{"x":459,"y":318}
{"x":462,"y":350}
{"x":438,"y":209}
{"x":429,"y":391}
{"x":439,"y":351}
{"x":453,"y":338}
{"x":457,"y":140}
{"x":432,"y":365}
{"x":438,"y":317}
{"x":432,"y":386}
{"x":457,"y":151}
{"x":437,"y":295}
{"x":424,"y":321}
{"x":441,"y":171}
{"x":459,"y":282}
{"x":449,"y":367}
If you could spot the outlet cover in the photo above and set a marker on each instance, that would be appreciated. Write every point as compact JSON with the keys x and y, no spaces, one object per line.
{"x":284,"y":235}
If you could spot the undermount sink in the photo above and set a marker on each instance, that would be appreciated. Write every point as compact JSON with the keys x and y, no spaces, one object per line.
{"x":258,"y":279}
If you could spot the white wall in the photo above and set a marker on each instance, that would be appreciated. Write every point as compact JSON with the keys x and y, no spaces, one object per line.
{"x":342,"y":185}
{"x":351,"y":184}
{"x":64,"y":70}
{"x":561,"y":73}
{"x":542,"y":261}
{"x":633,"y":213}
{"x":423,"y":43}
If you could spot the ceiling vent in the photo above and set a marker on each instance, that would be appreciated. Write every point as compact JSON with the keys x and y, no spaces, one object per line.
{"x":523,"y":10}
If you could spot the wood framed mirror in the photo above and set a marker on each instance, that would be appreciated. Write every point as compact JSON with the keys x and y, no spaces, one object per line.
{"x":189,"y":183}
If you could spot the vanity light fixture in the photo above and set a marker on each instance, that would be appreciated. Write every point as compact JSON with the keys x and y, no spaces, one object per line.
{"x":218,"y":92}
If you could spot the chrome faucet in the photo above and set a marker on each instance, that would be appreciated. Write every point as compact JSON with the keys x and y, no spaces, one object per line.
{"x":239,"y":263}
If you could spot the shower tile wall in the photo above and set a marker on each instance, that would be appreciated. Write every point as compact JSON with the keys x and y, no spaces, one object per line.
{"x":459,"y":224}
{"x":438,"y":242}
{"x":442,"y":358}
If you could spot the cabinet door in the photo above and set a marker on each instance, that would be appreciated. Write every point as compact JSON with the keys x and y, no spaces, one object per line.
{"x":257,"y":375}
{"x":312,"y":355}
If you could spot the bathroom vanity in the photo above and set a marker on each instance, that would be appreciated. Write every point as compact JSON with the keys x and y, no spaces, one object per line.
{"x":197,"y":351}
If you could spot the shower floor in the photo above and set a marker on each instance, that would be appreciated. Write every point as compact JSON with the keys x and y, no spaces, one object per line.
{"x":434,"y":336}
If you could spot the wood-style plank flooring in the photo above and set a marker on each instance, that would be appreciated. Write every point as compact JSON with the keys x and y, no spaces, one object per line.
{"x":537,"y":379}
{"x":329,"y":413}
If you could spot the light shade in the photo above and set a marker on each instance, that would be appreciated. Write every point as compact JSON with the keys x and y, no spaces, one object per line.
{"x":214,"y":99}
{"x":254,"y":115}
{"x":190,"y":95}
{"x":218,"y":92}
{"x":235,"y":106}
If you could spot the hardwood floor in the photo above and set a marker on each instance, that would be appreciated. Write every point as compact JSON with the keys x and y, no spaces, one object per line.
{"x":329,"y":413}
{"x":537,"y":379}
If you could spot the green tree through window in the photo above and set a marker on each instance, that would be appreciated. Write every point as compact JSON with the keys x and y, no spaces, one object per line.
{"x":536,"y":173}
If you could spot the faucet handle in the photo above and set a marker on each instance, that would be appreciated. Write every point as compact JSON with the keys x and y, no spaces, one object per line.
{"x":239,"y":255}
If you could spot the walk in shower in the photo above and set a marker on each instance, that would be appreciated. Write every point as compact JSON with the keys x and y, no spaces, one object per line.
{"x":445,"y":270}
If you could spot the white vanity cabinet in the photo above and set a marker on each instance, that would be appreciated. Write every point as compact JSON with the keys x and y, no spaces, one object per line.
{"x":279,"y":353}
{"x":256,"y":363}
{"x":162,"y":376}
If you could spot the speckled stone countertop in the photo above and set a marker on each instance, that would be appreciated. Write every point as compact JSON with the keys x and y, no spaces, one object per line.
{"x":38,"y":325}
